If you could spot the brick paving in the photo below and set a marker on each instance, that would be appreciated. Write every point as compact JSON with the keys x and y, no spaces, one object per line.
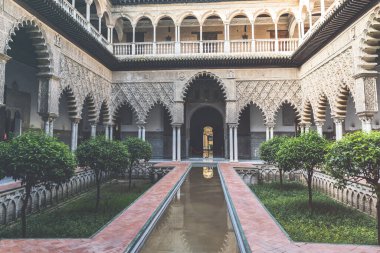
{"x":117,"y":235}
{"x":262,"y":232}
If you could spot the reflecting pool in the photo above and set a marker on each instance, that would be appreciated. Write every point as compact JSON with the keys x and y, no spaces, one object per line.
{"x":196,"y":220}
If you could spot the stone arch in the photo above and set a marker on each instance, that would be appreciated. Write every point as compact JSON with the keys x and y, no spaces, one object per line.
{"x":341,"y":100}
{"x":137,"y":19}
{"x":166,"y":107}
{"x":281,"y":12}
{"x":39,"y":42}
{"x":289,"y":102}
{"x":161,"y":16}
{"x":211,"y":13}
{"x":255,"y":104}
{"x":122,"y":103}
{"x":238,"y":13}
{"x":72,"y":106}
{"x":322,"y":104}
{"x":185,"y":15}
{"x":89,"y":101}
{"x":204,"y":74}
{"x":369,"y":43}
{"x":307,"y":113}
{"x":3,"y":214}
{"x":105,"y":114}
{"x":268,"y":12}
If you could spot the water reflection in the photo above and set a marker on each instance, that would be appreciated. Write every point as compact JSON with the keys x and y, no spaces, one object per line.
{"x":196,"y":220}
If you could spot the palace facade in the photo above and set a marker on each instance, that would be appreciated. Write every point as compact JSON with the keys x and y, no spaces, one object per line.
{"x":195,"y":78}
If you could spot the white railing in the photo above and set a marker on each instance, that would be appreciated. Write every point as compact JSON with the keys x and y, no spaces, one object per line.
{"x":165,"y":47}
{"x":65,"y":5}
{"x":144,"y":48}
{"x":213,"y":46}
{"x":264,"y":45}
{"x":287,"y":45}
{"x":190,"y":47}
{"x":240,"y":46}
{"x":206,"y":47}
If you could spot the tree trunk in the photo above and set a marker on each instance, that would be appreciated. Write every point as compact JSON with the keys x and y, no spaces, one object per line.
{"x":309,"y":180}
{"x":378,"y":216}
{"x":98,"y":181}
{"x":130,"y":178}
{"x":280,"y":177}
{"x":23,"y":209}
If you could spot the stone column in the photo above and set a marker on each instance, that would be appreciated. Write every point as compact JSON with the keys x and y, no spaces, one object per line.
{"x":226,"y":38}
{"x":338,"y":128}
{"x":231,"y":143}
{"x":178,"y":143}
{"x":3,"y":61}
{"x":235,"y":144}
{"x":174,"y":141}
{"x":154,"y":39}
{"x":307,"y":127}
{"x":93,"y":130}
{"x":319,"y":125}
{"x":201,"y":39}
{"x":267,"y":133}
{"x":73,"y":3}
{"x":100,"y":23}
{"x":106,"y":132}
{"x":74,"y":133}
{"x":276,"y":37}
{"x":177,"y":48}
{"x":323,"y":8}
{"x":366,"y":122}
{"x":271,"y":132}
{"x":143,"y":132}
{"x":48,"y":124}
{"x":88,"y":9}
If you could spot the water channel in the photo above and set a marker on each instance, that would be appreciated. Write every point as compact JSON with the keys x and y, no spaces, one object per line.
{"x":196,"y":220}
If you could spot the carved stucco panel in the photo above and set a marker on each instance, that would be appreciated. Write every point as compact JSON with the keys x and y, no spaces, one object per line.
{"x":142,"y":96}
{"x":268,"y":95}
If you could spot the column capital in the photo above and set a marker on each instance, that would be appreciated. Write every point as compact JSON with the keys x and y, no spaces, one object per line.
{"x":89,"y":2}
{"x":176,"y":125}
{"x":4,"y":57}
{"x":269,"y":124}
{"x":48,"y":116}
{"x":365,"y":117}
{"x":75,"y":120}
{"x":338,"y":120}
{"x":319,"y":122}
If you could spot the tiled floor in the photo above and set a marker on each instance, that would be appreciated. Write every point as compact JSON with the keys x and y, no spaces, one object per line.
{"x":117,"y":235}
{"x":262,"y":232}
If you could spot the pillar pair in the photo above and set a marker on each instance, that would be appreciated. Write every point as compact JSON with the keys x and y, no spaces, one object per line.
{"x":233,"y":143}
{"x":269,"y":131}
{"x":48,"y":124}
{"x":176,"y":145}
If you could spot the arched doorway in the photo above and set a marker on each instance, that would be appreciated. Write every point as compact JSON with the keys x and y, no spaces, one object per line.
{"x":210,"y":118}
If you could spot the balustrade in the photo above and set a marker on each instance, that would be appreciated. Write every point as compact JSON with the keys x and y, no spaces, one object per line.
{"x":205,"y":47}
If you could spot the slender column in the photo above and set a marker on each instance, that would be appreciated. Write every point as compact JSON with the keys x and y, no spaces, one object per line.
{"x":226,"y":38}
{"x":319,"y":125}
{"x":107,"y":133}
{"x":93,"y":130}
{"x":267,"y":133}
{"x":133,"y":39}
{"x":143,"y":133}
{"x":235,"y":144}
{"x":74,"y":134}
{"x":154,"y":39}
{"x":276,"y":37}
{"x":310,"y":20}
{"x":110,"y":132}
{"x":139,"y":132}
{"x":174,"y":141}
{"x":100,"y":24}
{"x":88,"y":9}
{"x":253,"y":37}
{"x":271,"y":132}
{"x":178,"y":143}
{"x":302,"y":24}
{"x":366,"y":123}
{"x":73,"y":3}
{"x":47,"y":126}
{"x":307,"y":127}
{"x":231,"y":144}
{"x":51,"y":127}
{"x":323,"y":10}
{"x":201,"y":39}
{"x":339,"y":128}
{"x":177,"y":48}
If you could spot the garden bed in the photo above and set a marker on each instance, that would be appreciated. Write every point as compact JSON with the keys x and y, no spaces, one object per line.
{"x":330,"y":222}
{"x":78,"y":218}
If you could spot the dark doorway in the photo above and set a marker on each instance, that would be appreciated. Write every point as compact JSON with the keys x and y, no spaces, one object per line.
{"x":203,"y":117}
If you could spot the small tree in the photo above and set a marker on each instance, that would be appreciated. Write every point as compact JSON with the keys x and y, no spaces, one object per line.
{"x":355,"y":158}
{"x":268,"y":153}
{"x":305,"y":152}
{"x":35,"y":158}
{"x":138,"y":150}
{"x":4,"y":158}
{"x":102,"y":156}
